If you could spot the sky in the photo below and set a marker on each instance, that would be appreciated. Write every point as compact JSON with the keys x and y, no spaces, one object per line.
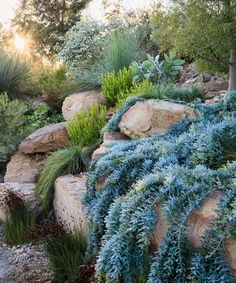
{"x":95,"y":8}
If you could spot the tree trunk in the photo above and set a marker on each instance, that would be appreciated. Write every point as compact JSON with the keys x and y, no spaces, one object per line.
{"x":232,"y":67}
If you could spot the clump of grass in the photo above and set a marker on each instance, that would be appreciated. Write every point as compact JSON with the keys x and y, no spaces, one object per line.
{"x":186,"y":94}
{"x":66,"y":253}
{"x":19,"y":219}
{"x":62,"y":162}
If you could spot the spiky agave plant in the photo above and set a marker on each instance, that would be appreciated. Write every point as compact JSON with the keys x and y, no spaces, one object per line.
{"x":13,"y":71}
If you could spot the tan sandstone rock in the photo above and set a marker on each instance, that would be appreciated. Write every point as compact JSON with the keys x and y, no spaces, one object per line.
{"x":153,"y":117}
{"x":46,"y":139}
{"x":69,"y":211}
{"x":75,"y":103}
{"x":25,"y":191}
{"x":24,"y":168}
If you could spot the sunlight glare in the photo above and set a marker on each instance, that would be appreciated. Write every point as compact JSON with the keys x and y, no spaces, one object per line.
{"x":19,"y":42}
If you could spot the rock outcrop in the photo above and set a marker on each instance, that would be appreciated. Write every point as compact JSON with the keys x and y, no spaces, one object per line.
{"x":69,"y":211}
{"x":26,"y":191}
{"x":24,"y":168}
{"x":153,"y":117}
{"x":46,"y":139}
{"x":75,"y":103}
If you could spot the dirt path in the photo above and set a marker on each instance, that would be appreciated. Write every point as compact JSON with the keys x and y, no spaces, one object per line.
{"x":23,"y":264}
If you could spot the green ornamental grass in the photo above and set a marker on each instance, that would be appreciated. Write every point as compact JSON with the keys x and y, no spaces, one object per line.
{"x":19,"y":219}
{"x":66,"y":253}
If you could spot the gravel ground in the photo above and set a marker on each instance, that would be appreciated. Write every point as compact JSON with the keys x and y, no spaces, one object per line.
{"x":26,"y":263}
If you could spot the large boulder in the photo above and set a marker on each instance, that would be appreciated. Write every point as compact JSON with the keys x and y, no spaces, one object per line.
{"x":75,"y":103}
{"x":68,"y":208}
{"x":46,"y":139}
{"x":199,"y":221}
{"x":24,"y":168}
{"x":26,"y":191}
{"x":153,"y":117}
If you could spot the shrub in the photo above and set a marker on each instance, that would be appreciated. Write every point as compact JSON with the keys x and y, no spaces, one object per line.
{"x":85,"y":129}
{"x":113,"y":84}
{"x":155,"y":70}
{"x":12,"y":126}
{"x":54,"y":86}
{"x":66,"y":253}
{"x":13,"y":72}
{"x":42,"y":116}
{"x":144,"y":89}
{"x":180,"y":169}
{"x":19,"y":218}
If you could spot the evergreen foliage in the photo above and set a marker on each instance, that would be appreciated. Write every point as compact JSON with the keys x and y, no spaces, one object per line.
{"x":114,"y":84}
{"x":179,"y":169}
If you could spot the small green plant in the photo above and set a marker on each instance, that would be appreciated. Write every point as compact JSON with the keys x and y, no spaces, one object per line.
{"x":85,"y":129}
{"x":113,"y":84}
{"x":13,"y":72}
{"x":155,"y":70}
{"x":19,"y":219}
{"x":66,"y":253}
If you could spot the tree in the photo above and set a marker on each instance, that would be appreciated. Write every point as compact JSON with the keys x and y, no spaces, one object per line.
{"x":47,"y":21}
{"x":203,"y":30}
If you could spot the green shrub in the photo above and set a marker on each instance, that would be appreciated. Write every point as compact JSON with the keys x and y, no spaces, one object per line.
{"x":13,"y":72}
{"x":85,"y":129}
{"x":12,"y":126}
{"x":19,"y":218}
{"x":145,"y":89}
{"x":66,"y":253}
{"x":54,"y":86}
{"x":42,"y":116}
{"x":113,"y":84}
